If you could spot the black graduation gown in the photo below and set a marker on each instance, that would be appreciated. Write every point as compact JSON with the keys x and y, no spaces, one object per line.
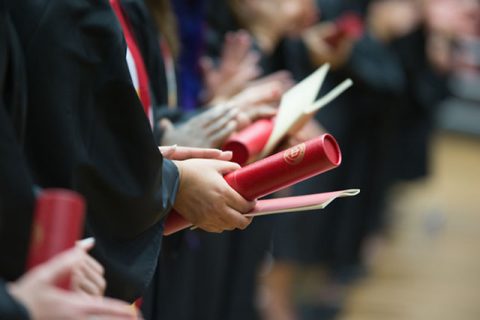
{"x":191,"y":262}
{"x":16,"y":196}
{"x":364,"y":121}
{"x":87,"y":131}
{"x":200,"y":275}
{"x":247,"y":249}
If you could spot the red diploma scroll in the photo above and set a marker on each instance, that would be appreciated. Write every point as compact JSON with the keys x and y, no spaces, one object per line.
{"x":276,"y":172}
{"x":57,"y":225}
{"x":249,"y":142}
{"x":349,"y":25}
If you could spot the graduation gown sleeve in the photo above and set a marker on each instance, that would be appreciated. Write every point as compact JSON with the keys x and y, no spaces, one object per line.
{"x":87,"y":131}
{"x":10,"y":309}
{"x":16,"y":196}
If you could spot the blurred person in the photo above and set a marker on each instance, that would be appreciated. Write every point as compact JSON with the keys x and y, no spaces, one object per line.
{"x":176,"y":275}
{"x":203,"y":128}
{"x":33,"y":295}
{"x":365,"y":120}
{"x":87,"y":131}
{"x":270,"y":23}
{"x":201,"y":79}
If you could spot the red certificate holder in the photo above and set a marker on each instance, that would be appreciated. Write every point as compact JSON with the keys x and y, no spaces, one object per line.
{"x":276,"y":172}
{"x":349,"y":25}
{"x":249,"y":142}
{"x":58,"y":224}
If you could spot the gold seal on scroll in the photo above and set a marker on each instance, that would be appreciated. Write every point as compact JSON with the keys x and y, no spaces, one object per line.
{"x":294,"y":155}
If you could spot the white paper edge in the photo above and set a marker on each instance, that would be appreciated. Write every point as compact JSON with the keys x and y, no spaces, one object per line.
{"x":276,"y":136}
{"x":323,"y":205}
{"x":330,"y":96}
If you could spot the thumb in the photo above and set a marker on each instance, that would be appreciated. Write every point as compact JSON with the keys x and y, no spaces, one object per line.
{"x":224,"y":167}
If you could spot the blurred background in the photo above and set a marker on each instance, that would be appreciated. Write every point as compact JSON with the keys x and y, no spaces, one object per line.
{"x":409,"y":129}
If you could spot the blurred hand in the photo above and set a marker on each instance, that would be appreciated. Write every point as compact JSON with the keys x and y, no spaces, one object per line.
{"x":310,"y":130}
{"x":206,"y":130}
{"x":87,"y":274}
{"x":390,"y":19}
{"x":206,"y":200}
{"x":321,"y":52}
{"x":283,"y":79}
{"x":36,"y":290}
{"x":257,"y":101}
{"x":453,"y":18}
{"x":238,"y":65}
{"x":211,"y":128}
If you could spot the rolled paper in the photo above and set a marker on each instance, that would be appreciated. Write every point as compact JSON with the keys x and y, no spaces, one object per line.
{"x":276,"y":172}
{"x":249,"y":142}
{"x":349,"y":25}
{"x":57,"y":225}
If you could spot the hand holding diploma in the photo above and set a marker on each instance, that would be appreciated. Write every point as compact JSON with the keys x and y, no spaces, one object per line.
{"x":37,"y":290}
{"x":205,"y":199}
{"x":272,"y":174}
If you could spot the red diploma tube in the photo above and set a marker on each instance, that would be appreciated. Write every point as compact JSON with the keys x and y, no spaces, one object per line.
{"x":57,"y":225}
{"x":349,"y":25}
{"x":249,"y":142}
{"x":276,"y":172}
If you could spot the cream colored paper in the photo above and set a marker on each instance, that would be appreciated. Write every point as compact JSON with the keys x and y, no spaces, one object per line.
{"x":298,"y":106}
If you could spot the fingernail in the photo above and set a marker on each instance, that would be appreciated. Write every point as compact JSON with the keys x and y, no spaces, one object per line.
{"x":87,"y":242}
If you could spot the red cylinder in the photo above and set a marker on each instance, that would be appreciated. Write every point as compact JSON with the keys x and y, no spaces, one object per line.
{"x":286,"y":168}
{"x":249,"y":142}
{"x":57,"y":225}
{"x":276,"y":172}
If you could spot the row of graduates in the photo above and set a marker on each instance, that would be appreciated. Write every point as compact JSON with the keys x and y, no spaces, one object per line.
{"x":77,"y":113}
{"x":383,"y":126}
{"x":84,"y":128}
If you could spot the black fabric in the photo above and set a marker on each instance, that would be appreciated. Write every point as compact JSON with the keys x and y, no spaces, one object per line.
{"x":364,"y":120}
{"x":200,"y":275}
{"x":383,"y":124}
{"x":87,"y":131}
{"x":10,"y":309}
{"x":16,"y":196}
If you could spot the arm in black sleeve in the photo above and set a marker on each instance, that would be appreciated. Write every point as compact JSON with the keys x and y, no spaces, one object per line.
{"x":16,"y":195}
{"x":87,"y":131}
{"x":10,"y":309}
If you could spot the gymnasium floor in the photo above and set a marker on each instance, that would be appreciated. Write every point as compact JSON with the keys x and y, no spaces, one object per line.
{"x":429,"y":266}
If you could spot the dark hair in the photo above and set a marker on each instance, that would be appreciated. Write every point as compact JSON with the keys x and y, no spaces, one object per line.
{"x":166,"y":21}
